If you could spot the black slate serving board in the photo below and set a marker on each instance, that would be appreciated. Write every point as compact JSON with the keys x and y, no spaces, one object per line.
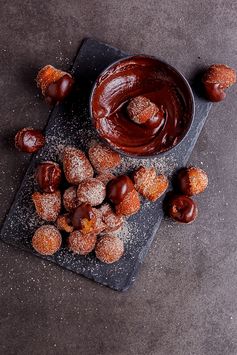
{"x":69,"y":124}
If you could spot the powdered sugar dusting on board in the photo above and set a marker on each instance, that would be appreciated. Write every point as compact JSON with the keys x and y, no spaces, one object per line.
{"x":79,"y":133}
{"x":164,"y":165}
{"x":127,"y":232}
{"x":70,"y":125}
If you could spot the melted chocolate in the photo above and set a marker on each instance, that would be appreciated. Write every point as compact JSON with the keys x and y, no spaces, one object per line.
{"x":182,"y":209}
{"x":183,"y":182}
{"x":84,"y":211}
{"x":29,"y":140}
{"x":118,"y":188}
{"x":48,"y":176}
{"x":156,"y":121}
{"x":215,"y":92}
{"x":58,"y":90}
{"x":158,"y":82}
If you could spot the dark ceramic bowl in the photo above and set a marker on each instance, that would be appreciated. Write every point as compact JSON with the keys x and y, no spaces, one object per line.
{"x":148,"y":76}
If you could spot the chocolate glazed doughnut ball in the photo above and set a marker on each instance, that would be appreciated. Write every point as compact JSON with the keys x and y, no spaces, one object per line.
{"x":118,"y":188}
{"x":48,"y":176}
{"x":83,"y":218}
{"x":29,"y":140}
{"x":130,"y":204}
{"x":216,"y":80}
{"x":121,"y":192}
{"x":182,"y":209}
{"x":55,"y":84}
{"x":192,"y":181}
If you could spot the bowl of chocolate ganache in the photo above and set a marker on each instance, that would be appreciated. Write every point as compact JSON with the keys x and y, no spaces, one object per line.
{"x":157,"y":81}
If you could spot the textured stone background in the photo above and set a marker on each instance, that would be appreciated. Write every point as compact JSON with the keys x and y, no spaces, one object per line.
{"x":184,"y":299}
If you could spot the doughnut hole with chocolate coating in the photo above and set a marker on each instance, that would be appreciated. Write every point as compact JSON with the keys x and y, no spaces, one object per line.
{"x":29,"y":140}
{"x":48,"y":176}
{"x":129,"y":205}
{"x":83,"y":218}
{"x":55,"y":84}
{"x":192,"y":181}
{"x":182,"y":209}
{"x":216,"y":79}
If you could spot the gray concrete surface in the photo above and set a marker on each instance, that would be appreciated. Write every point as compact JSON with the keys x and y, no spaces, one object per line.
{"x":184,"y":299}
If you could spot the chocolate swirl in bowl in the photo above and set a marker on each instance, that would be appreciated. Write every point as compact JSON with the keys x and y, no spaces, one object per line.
{"x":157,"y":81}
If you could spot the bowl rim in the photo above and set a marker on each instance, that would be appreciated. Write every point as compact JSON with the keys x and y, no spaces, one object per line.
{"x":157,"y":154}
